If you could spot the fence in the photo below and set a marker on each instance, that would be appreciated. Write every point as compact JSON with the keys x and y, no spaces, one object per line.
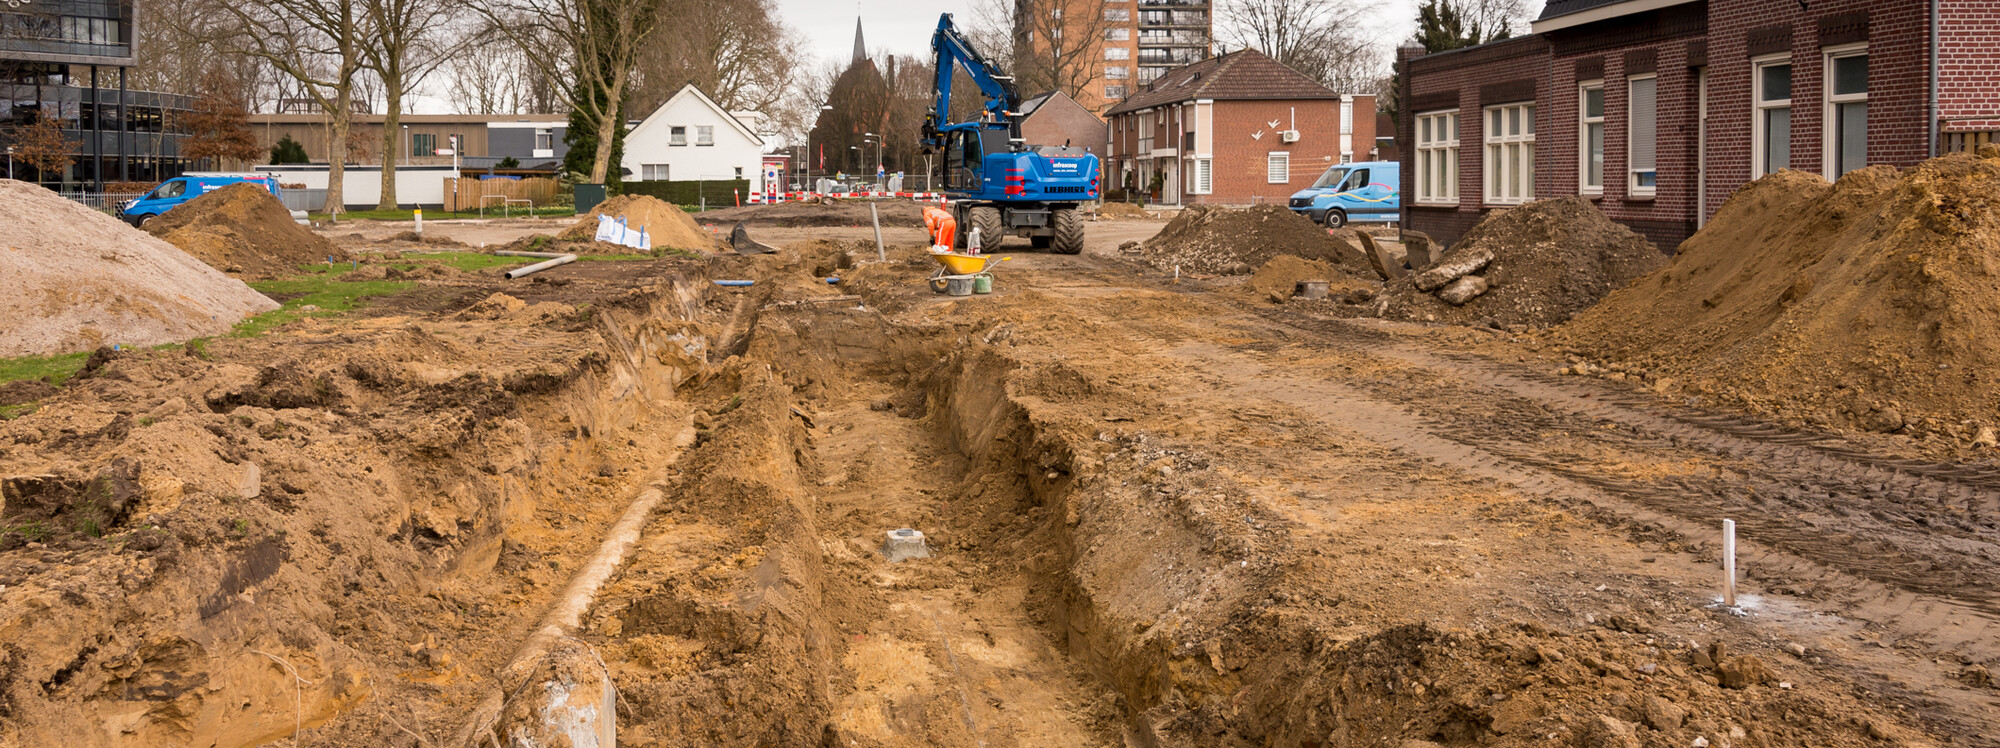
{"x":473,"y":194}
{"x":308,"y":200}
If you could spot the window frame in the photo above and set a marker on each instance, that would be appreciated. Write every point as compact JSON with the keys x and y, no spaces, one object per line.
{"x":1201,"y":176}
{"x":1830,"y":104}
{"x":1521,"y":144}
{"x":1437,"y":159}
{"x":677,"y":135}
{"x":648,"y":171}
{"x":704,"y":135}
{"x":1632,"y":186}
{"x":1583,"y":123}
{"x":1271,"y":161}
{"x":1758,"y":106}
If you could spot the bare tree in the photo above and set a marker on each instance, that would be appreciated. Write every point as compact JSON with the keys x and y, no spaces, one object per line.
{"x":593,"y":43}
{"x":43,"y":145}
{"x":487,"y":77}
{"x":316,"y":43}
{"x":407,"y":46}
{"x":1059,"y":44}
{"x":736,"y":51}
{"x":218,"y":126}
{"x":1324,"y":39}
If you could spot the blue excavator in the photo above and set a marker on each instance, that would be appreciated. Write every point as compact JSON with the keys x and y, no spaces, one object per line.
{"x":993,"y":180}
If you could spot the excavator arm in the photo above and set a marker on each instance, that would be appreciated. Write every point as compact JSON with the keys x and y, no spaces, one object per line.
{"x":950,"y":50}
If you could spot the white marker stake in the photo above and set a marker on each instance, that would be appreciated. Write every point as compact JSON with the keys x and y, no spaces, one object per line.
{"x":1729,"y":562}
{"x":419,"y":214}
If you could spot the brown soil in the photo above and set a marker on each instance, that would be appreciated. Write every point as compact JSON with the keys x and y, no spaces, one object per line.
{"x":77,"y":279}
{"x":905,"y":213}
{"x":243,"y":230}
{"x":1122,"y":210}
{"x":666,"y":224}
{"x":1207,"y":240}
{"x":1278,"y":278}
{"x":1551,"y":259}
{"x":1871,"y":303}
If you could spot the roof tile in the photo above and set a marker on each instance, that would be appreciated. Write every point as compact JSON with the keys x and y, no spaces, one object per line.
{"x":1243,"y":74}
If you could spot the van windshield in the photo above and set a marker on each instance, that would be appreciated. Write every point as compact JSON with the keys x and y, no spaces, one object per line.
{"x":171,"y":189}
{"x":1330,"y":178}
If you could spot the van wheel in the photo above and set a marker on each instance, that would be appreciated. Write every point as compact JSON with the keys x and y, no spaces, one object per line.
{"x":1336,"y":218}
{"x":141,"y":221}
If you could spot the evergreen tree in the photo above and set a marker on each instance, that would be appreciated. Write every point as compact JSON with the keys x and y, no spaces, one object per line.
{"x":288,"y":151}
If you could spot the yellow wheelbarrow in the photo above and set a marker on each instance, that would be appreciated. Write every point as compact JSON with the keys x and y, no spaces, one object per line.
{"x":962,"y":274}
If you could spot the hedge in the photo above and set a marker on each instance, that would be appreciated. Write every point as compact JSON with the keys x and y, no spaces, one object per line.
{"x":721,"y":193}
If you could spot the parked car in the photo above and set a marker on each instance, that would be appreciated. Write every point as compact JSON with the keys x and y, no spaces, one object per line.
{"x":178,"y":190}
{"x":1366,"y":191}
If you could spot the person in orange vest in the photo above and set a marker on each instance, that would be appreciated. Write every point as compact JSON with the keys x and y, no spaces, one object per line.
{"x":943,"y":228}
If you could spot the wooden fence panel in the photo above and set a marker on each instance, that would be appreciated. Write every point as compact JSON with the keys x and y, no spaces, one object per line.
{"x":465,"y":194}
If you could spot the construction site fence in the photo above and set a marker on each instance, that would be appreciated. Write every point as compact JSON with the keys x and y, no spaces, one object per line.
{"x":468,"y":194}
{"x":714,"y":193}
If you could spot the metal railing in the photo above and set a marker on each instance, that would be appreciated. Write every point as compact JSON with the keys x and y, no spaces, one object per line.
{"x":103,"y":202}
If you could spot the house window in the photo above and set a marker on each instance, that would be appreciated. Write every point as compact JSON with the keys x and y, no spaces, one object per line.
{"x":423,"y":144}
{"x":1201,"y":178}
{"x":1642,"y":135}
{"x":1117,"y":53}
{"x":704,"y":135}
{"x":739,"y":172}
{"x":1114,"y":92}
{"x":1118,"y":34}
{"x":1846,"y":110}
{"x":1591,"y":170}
{"x":1437,"y":157}
{"x":1117,"y":14}
{"x":1278,"y":167}
{"x":1771,"y":148}
{"x":1510,"y":154}
{"x":545,"y":139}
{"x":1146,"y":133}
{"x":677,"y":135}
{"x":653,"y":172}
{"x":1117,"y":72}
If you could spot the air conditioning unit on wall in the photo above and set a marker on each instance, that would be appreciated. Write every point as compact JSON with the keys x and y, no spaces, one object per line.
{"x":1289,"y":136}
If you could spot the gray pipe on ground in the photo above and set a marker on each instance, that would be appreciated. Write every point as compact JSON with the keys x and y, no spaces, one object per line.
{"x":554,"y":259}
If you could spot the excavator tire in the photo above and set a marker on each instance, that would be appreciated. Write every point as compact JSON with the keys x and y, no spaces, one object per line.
{"x":987,"y":218}
{"x":1069,"y":232}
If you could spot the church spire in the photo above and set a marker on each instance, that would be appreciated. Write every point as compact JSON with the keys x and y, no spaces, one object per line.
{"x":860,"y":47}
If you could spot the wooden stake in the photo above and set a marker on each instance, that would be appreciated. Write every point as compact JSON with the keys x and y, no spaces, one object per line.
{"x":1729,"y":562}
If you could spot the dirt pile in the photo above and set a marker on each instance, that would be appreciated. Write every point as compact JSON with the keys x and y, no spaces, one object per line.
{"x":903,"y":213}
{"x":78,"y":279}
{"x":663,"y":221}
{"x":1235,"y":241}
{"x":1278,"y":278}
{"x":1122,"y":210}
{"x":1870,"y":303}
{"x":1536,"y":265}
{"x":243,"y":230}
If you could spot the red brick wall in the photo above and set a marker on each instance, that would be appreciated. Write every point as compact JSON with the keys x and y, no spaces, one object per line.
{"x":1240,"y":159}
{"x":1461,"y":73}
{"x":1969,"y":65}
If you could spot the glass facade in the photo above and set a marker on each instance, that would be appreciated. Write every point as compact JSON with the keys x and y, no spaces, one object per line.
{"x":83,"y":32}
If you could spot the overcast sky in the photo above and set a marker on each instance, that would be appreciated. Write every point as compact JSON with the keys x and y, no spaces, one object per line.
{"x":904,"y":26}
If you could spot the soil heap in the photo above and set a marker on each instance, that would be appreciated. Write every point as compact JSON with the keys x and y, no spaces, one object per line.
{"x":1535,"y":265}
{"x":242,"y":229}
{"x":1122,"y":210}
{"x":78,"y":279}
{"x":664,"y":222}
{"x":1235,"y":241}
{"x":1871,"y":303}
{"x":901,"y":213}
{"x":1278,"y":279}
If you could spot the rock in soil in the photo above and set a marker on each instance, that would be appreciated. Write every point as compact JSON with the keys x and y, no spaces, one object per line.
{"x":1458,"y":292}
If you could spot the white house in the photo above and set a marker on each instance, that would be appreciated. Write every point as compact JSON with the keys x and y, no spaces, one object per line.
{"x":692,"y":138}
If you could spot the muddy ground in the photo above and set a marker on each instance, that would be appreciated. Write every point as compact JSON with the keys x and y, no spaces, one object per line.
{"x":1159,"y":514}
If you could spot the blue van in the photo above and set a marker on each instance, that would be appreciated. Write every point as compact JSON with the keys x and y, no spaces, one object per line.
{"x":179,"y":190}
{"x":1366,"y":191}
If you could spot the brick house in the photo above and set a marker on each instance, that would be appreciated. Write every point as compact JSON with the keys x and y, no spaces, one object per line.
{"x":1235,"y":129}
{"x":1056,"y":119}
{"x":1660,"y":109}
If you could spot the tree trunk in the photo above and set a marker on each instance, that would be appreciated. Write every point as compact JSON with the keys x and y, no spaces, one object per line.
{"x":336,"y":152}
{"x":391,"y":129}
{"x":607,"y":128}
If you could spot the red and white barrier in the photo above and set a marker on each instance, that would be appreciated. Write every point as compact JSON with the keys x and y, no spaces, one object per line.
{"x":779,"y":197}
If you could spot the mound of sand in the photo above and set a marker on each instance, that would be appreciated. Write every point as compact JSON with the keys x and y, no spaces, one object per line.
{"x":1234,"y":241}
{"x":243,"y":230}
{"x":663,"y":221}
{"x":78,"y":279}
{"x":1121,"y":210}
{"x":1870,"y":303}
{"x":902,"y":213}
{"x":1549,"y":260}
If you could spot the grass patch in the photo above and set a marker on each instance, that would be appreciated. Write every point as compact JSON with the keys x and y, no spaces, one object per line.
{"x":56,"y":368}
{"x":316,"y":288}
{"x":11,"y":412}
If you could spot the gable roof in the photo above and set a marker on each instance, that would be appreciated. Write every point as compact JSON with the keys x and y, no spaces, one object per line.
{"x":1036,"y":103}
{"x":1245,"y":74}
{"x":692,"y":90}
